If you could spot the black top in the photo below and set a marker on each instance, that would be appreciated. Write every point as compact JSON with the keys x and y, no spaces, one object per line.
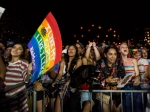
{"x":117,"y":69}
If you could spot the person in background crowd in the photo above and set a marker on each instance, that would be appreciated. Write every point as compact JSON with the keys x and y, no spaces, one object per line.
{"x":17,"y":71}
{"x":28,"y":55}
{"x":101,"y":48}
{"x":81,"y":50}
{"x":67,"y":66}
{"x":2,"y":47}
{"x":64,"y":52}
{"x":2,"y":71}
{"x":2,"y":65}
{"x":142,"y":65}
{"x":145,"y":54}
{"x":131,"y":68}
{"x":91,"y":55}
{"x":7,"y":52}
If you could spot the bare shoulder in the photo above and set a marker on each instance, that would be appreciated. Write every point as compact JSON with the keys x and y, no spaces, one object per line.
{"x":79,"y":59}
{"x":133,"y":59}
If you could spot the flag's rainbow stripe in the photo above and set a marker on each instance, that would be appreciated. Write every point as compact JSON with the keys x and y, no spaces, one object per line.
{"x":45,"y":47}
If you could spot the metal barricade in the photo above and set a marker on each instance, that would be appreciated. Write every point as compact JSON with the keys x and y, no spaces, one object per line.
{"x":121,"y":92}
{"x":30,"y":90}
{"x":52,"y":102}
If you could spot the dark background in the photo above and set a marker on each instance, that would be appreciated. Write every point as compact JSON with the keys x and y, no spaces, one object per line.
{"x":129,"y":18}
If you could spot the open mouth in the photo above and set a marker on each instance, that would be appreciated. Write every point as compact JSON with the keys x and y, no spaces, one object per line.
{"x":125,"y":50}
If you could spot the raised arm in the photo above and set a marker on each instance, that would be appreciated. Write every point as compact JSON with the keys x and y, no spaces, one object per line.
{"x":84,"y":60}
{"x":87,"y":53}
{"x":97,"y":54}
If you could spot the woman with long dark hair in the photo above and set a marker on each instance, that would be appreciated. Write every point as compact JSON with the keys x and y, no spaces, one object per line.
{"x":111,"y":70}
{"x":17,"y":71}
{"x":67,"y":66}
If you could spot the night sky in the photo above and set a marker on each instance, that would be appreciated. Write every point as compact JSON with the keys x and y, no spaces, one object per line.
{"x":124,"y":17}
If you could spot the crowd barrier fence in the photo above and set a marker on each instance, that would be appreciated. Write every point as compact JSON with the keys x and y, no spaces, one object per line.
{"x":30,"y":90}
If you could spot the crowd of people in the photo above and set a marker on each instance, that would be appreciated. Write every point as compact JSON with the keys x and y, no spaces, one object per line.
{"x":79,"y":67}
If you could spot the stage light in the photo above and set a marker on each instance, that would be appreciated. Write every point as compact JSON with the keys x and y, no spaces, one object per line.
{"x":99,"y":27}
{"x":89,"y":30}
{"x":74,"y":35}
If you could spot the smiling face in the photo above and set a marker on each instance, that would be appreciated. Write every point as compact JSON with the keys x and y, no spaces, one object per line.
{"x":124,"y":49}
{"x":137,"y":55}
{"x":71,"y":51}
{"x":92,"y":54}
{"x":111,"y":56}
{"x":17,"y":50}
{"x":144,"y":53}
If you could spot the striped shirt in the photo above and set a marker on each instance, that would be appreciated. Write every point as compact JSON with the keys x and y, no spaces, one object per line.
{"x":129,"y":67}
{"x":15,"y":74}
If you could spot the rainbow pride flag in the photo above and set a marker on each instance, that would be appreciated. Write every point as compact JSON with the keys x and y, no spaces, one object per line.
{"x":45,"y":47}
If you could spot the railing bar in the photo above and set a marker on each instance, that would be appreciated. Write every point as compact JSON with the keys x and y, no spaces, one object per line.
{"x":91,"y":101}
{"x":132,"y":102}
{"x":81,"y":101}
{"x":62,"y":103}
{"x":121,"y":103}
{"x":143,"y":100}
{"x":134,"y":91}
{"x":111,"y":101}
{"x":13,"y":96}
{"x":52,"y":102}
{"x":148,"y":101}
{"x":5,"y":90}
{"x":101,"y":101}
{"x":34,"y":100}
{"x":43,"y":102}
